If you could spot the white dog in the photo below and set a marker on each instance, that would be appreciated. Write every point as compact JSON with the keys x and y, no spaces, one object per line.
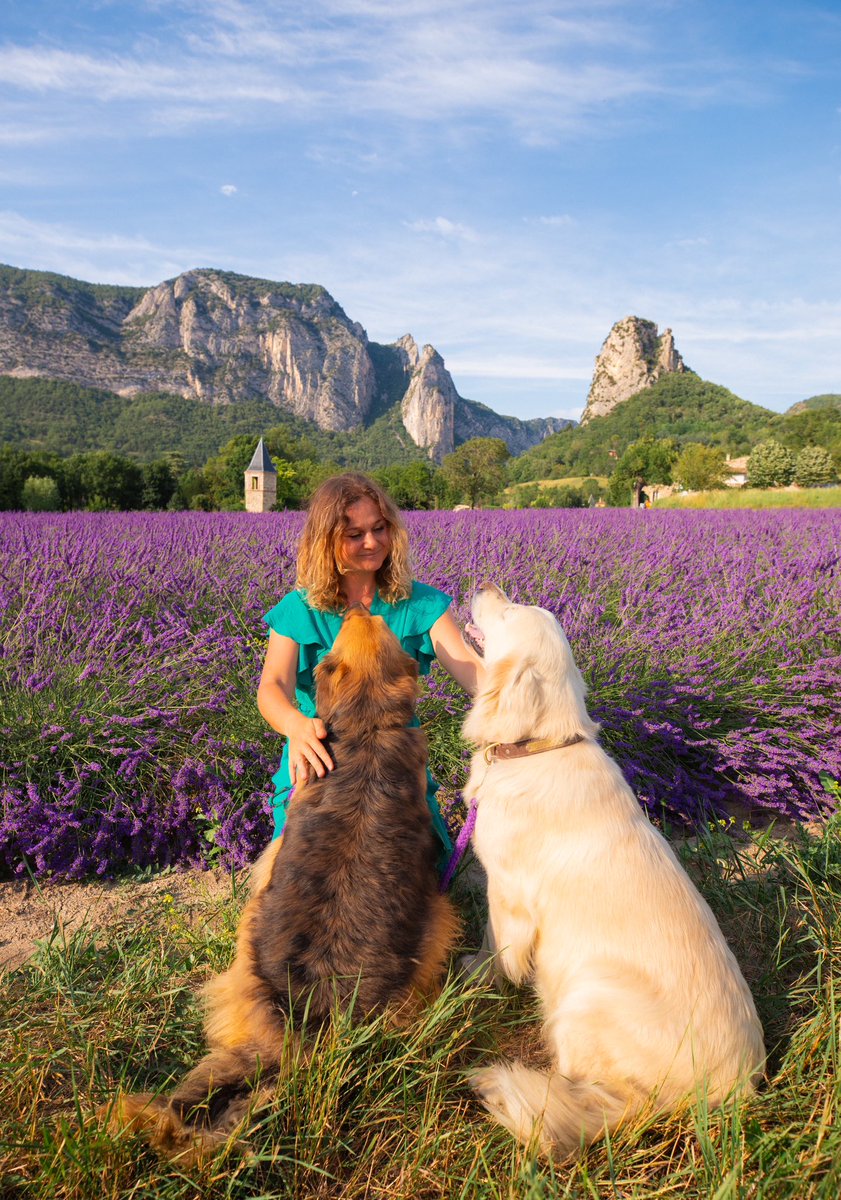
{"x":644,"y":1004}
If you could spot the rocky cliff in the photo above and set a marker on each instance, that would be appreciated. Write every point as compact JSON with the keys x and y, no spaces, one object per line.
{"x":633,"y":357}
{"x":221,"y":338}
{"x":428,"y":407}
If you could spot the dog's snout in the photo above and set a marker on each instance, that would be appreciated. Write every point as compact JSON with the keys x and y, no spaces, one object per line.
{"x":488,"y":589}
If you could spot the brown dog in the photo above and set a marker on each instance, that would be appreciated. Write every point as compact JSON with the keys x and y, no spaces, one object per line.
{"x":345,"y":911}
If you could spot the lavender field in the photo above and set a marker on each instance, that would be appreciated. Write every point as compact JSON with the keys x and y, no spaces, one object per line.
{"x":131,"y":647}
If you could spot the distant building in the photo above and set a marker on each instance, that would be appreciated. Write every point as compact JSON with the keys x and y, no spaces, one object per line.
{"x":260,"y":481}
{"x":737,"y":469}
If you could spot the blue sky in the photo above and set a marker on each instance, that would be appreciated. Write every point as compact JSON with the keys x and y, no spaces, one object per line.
{"x":503,"y":179}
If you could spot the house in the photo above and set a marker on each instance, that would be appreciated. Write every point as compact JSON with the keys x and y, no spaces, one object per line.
{"x":737,"y":469}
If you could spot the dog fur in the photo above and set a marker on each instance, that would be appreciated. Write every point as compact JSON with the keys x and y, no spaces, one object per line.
{"x":344,"y":910}
{"x":644,"y":1005}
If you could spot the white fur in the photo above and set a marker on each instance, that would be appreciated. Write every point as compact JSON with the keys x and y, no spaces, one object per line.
{"x":644,"y":1003}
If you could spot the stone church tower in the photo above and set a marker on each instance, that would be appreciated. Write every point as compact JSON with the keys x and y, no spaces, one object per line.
{"x":260,"y":481}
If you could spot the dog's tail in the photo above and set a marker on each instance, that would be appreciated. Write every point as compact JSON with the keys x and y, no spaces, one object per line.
{"x":560,"y":1114}
{"x":203,"y":1112}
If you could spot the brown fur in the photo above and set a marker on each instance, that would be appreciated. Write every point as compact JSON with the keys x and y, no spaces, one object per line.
{"x":344,"y":911}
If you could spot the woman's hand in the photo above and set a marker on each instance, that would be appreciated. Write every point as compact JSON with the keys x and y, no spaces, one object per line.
{"x":307,"y":753}
{"x":455,"y":656}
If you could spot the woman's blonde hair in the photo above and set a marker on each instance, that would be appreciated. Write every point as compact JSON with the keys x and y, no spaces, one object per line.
{"x":320,"y":567}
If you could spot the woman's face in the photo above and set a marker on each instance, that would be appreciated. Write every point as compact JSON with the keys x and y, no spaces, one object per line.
{"x":366,"y":540}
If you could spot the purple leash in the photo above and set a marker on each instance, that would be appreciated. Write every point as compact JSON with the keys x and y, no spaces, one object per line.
{"x":462,"y":841}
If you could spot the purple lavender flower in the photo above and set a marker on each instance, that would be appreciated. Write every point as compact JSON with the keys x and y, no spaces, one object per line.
{"x":132,"y":643}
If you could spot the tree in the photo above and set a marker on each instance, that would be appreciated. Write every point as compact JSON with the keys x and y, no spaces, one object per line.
{"x":814,"y":467}
{"x":158,"y":484}
{"x":224,"y":473}
{"x":476,"y":470}
{"x":190,"y":487}
{"x":40,"y":494}
{"x":770,"y":465}
{"x":177,"y":463}
{"x":408,"y":484}
{"x":309,"y":474}
{"x":699,"y":468}
{"x":13,"y":472}
{"x":645,"y":461}
{"x":110,"y":481}
{"x":70,"y":481}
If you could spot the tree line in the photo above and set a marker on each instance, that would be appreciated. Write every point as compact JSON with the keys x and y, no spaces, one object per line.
{"x":476,"y":474}
{"x":102,"y":480}
{"x":699,"y":468}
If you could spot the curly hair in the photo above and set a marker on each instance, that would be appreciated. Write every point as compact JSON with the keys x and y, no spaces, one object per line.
{"x":320,"y":567}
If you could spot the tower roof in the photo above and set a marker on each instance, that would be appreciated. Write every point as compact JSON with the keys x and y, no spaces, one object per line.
{"x":261,"y":460}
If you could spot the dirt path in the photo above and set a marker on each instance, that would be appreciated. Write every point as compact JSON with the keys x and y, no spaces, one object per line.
{"x":30,"y":912}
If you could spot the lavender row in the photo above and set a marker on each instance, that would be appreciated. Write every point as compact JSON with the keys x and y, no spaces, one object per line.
{"x":131,"y":646}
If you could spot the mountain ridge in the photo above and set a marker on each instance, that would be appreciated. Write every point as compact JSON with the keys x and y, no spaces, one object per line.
{"x":223,"y":338}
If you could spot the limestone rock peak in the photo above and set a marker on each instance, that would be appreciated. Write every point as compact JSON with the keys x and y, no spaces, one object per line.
{"x":633,"y":357}
{"x":428,"y":407}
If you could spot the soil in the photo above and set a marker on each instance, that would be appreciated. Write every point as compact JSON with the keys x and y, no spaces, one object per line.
{"x":33,"y":911}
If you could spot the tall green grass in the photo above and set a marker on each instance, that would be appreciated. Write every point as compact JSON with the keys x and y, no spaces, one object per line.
{"x":756,"y":498}
{"x":381,"y":1113}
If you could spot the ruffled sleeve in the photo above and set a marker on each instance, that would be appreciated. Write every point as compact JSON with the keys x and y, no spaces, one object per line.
{"x":412,"y":620}
{"x":293,"y":618}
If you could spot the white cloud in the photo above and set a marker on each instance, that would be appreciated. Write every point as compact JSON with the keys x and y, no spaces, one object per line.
{"x":531,"y":367}
{"x":529,"y":69}
{"x":97,"y":258}
{"x":445,"y":228}
{"x":229,"y":189}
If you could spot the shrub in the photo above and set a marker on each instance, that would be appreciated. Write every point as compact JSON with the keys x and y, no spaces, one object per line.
{"x":770,"y":465}
{"x":814,"y":467}
{"x":700,"y":468}
{"x":40,"y":494}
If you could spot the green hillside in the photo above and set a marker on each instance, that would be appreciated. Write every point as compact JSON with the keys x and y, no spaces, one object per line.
{"x":39,"y":414}
{"x":682,"y":407}
{"x":65,"y":418}
{"x":830,"y":400}
{"x":39,"y":288}
{"x":818,"y":426}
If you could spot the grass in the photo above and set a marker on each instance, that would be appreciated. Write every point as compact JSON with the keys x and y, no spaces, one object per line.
{"x":380,"y":1113}
{"x":757,"y":498}
{"x":567,"y":481}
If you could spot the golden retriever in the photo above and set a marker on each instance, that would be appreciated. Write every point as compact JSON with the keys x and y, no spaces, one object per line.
{"x":344,"y":909}
{"x":644,"y":1004}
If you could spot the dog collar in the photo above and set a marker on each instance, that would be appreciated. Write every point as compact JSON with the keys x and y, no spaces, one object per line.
{"x":505,"y":750}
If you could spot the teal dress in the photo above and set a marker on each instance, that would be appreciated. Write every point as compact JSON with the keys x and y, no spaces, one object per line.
{"x":315,"y":632}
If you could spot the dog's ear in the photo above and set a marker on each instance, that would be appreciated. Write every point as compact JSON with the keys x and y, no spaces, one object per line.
{"x":522,"y":692}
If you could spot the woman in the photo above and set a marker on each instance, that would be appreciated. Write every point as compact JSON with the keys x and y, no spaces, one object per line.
{"x":354,"y":549}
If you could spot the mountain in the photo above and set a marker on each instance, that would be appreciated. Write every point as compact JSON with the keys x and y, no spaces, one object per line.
{"x":223,"y":339}
{"x":633,"y":356}
{"x":828,"y":400}
{"x":678,"y":405}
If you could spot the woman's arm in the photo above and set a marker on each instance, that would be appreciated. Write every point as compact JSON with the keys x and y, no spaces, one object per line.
{"x":454,"y":654}
{"x":274,"y":700}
